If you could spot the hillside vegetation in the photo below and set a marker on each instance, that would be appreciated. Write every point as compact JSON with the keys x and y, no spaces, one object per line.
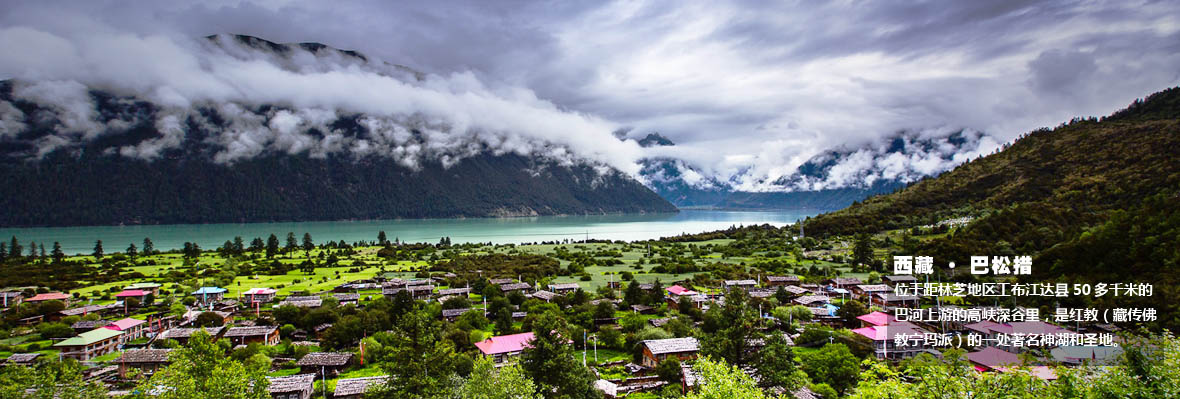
{"x":1043,"y":189}
{"x":1093,"y":201}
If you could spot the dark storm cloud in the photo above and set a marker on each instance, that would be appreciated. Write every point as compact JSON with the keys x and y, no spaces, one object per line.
{"x":748,"y":89}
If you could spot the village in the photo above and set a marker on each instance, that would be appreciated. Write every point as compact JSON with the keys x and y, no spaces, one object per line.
{"x":128,"y":339}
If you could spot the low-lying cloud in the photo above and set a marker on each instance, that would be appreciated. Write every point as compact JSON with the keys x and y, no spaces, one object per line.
{"x":748,"y":91}
{"x":452,"y":117}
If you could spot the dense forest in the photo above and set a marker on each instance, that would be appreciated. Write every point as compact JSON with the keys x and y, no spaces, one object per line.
{"x":1093,"y":200}
{"x":95,"y":185}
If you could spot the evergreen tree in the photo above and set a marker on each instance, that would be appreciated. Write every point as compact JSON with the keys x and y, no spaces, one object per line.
{"x":730,"y":328}
{"x":782,"y":296}
{"x":201,"y":369}
{"x":776,"y":367}
{"x":227,"y":249}
{"x":421,"y":364}
{"x":725,"y":382}
{"x":257,"y":244}
{"x":58,"y":255}
{"x":489,"y":382}
{"x":132,"y":251}
{"x":504,"y":322}
{"x":98,"y":254}
{"x":32,"y":250}
{"x":308,"y":244}
{"x":834,"y":364}
{"x":381,"y":238}
{"x":633,"y":294}
{"x":549,"y":360}
{"x":851,"y":310}
{"x":291,"y":243}
{"x":148,"y":247}
{"x":862,"y":249}
{"x":239,"y":246}
{"x":14,"y":248}
{"x":307,"y":266}
{"x":656,"y":295}
{"x":43,"y":254}
{"x":49,"y":379}
{"x":3,"y":251}
{"x":191,"y":250}
{"x":272,"y":246}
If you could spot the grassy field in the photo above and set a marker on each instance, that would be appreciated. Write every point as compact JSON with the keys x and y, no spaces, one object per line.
{"x":635,"y":260}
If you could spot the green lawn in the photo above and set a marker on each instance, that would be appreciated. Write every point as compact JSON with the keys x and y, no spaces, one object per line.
{"x":604,"y":355}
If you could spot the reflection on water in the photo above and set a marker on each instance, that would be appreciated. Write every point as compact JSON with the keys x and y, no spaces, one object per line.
{"x":495,"y":230}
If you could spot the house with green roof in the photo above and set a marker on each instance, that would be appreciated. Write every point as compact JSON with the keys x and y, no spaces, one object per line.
{"x":90,"y":344}
{"x":153,"y":287}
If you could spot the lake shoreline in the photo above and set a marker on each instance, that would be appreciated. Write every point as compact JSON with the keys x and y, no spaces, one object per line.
{"x":500,"y":230}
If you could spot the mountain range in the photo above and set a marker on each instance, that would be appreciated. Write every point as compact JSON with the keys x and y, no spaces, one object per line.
{"x":108,"y":157}
{"x":829,"y":181}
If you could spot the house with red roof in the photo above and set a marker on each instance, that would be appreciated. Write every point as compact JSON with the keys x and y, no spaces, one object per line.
{"x":885,"y":338}
{"x":50,"y":296}
{"x":505,"y":347}
{"x":132,"y":329}
{"x":259,"y":295}
{"x":139,"y":295}
{"x":677,"y":290}
{"x":1042,"y":372}
{"x":996,"y":360}
{"x":991,"y":359}
{"x":991,"y":331}
{"x":876,"y":319}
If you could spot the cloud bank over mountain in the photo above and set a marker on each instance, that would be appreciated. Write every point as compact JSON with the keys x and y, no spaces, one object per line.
{"x":750,"y":94}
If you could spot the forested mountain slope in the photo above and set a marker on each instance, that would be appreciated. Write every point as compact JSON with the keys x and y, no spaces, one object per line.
{"x":89,"y":155}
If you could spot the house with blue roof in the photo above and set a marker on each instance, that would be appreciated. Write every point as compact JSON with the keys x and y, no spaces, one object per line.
{"x":207,"y":295}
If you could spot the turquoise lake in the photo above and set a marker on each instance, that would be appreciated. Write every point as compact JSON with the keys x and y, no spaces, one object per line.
{"x":495,"y":230}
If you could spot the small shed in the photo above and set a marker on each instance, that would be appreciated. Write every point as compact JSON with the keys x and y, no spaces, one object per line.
{"x":355,"y":388}
{"x":297,"y":386}
{"x":146,"y":361}
{"x":329,"y":363}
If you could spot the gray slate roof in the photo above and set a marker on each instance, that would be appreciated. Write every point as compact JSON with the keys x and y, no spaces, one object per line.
{"x":144,"y":356}
{"x":454,"y":291}
{"x":250,"y":331}
{"x":515,"y":286}
{"x":873,"y":288}
{"x":357,"y":386}
{"x":810,"y":299}
{"x":455,"y":312}
{"x":22,"y":358}
{"x":303,"y":301}
{"x":544,"y":295}
{"x":331,"y":359}
{"x":188,"y":332}
{"x":672,"y":345}
{"x":90,"y":325}
{"x":346,"y":297}
{"x":299,"y":382}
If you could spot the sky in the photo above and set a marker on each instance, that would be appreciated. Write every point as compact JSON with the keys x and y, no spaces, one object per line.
{"x":748,"y":90}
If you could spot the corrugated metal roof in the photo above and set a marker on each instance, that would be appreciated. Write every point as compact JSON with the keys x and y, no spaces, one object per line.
{"x":90,"y":337}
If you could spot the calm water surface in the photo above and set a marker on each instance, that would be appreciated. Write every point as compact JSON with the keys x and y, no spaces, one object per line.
{"x":502,"y":230}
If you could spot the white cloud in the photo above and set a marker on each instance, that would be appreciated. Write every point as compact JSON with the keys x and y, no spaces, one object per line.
{"x":748,"y":92}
